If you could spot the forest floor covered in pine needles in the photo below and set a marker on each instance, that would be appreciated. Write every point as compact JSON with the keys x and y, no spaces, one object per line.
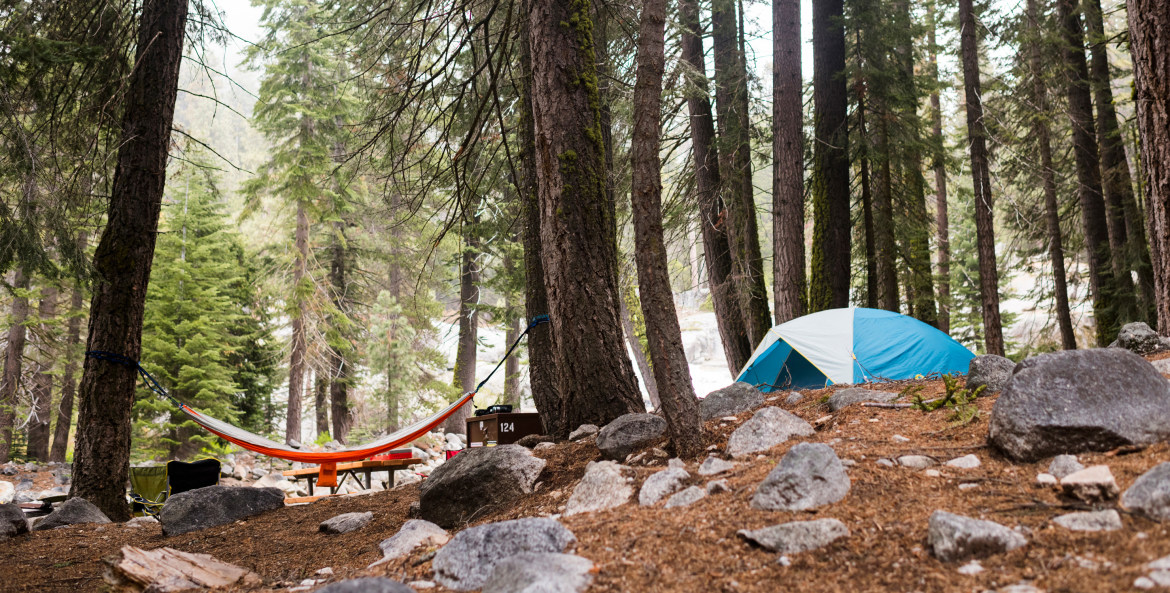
{"x":696,"y":549}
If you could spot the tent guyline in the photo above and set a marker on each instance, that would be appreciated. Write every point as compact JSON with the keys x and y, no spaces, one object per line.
{"x":328,"y":460}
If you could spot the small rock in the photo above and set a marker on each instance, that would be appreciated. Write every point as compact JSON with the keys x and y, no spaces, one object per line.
{"x":1161,"y":365}
{"x":767,"y":428}
{"x":899,"y":439}
{"x":932,"y":473}
{"x":797,"y":536}
{"x":414,"y":533}
{"x":1063,"y":465}
{"x":955,"y":537}
{"x":677,"y":463}
{"x":469,"y":559}
{"x":793,"y":398}
{"x":718,"y":487}
{"x":1022,"y":587}
{"x":140,"y":522}
{"x":729,"y":419}
{"x":856,"y":395}
{"x":1046,"y":480}
{"x":714,"y":465}
{"x":1137,"y":337}
{"x":1144,"y":583}
{"x":686,"y":497}
{"x":808,"y":476}
{"x":226,"y":470}
{"x":731,"y":400}
{"x":1092,"y":484}
{"x":543,"y":446}
{"x":784,"y":561}
{"x":421,"y":584}
{"x":603,"y":487}
{"x":325,"y":572}
{"x":661,"y":484}
{"x":1108,"y":520}
{"x":971,"y":568}
{"x":345,"y":523}
{"x":72,"y":512}
{"x":583,"y":431}
{"x":531,"y":440}
{"x":990,"y":372}
{"x":216,"y":505}
{"x":7,"y":492}
{"x":12,"y":521}
{"x":366,"y":585}
{"x":916,"y":461}
{"x":540,"y":573}
{"x":967,"y":486}
{"x":627,"y":433}
{"x":885,"y":462}
{"x":965,"y":462}
{"x":1150,"y":493}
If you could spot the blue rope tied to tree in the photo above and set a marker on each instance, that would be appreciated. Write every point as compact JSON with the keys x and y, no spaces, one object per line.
{"x":538,"y":320}
{"x":116,"y":358}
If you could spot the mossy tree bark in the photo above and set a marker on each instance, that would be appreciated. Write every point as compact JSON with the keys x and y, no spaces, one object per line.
{"x":577,"y":248}
{"x":13,"y":359}
{"x":123,"y":259}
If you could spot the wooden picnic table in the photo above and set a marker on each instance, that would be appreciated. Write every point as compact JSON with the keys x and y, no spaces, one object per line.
{"x":356,"y":470}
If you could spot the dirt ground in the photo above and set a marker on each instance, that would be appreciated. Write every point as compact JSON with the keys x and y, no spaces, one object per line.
{"x":696,"y":549}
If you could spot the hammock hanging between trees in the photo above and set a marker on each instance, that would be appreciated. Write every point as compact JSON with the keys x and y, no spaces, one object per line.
{"x":328,"y":460}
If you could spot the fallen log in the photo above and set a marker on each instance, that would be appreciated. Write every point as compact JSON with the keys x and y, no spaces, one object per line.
{"x":166,"y":570}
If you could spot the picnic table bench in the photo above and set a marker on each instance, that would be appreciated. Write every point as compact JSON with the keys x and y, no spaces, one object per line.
{"x":356,"y":470}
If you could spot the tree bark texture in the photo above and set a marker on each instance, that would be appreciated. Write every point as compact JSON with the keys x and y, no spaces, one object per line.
{"x":829,"y":270}
{"x":340,"y":366}
{"x":630,"y":327}
{"x":296,"y":363}
{"x":672,"y":374}
{"x":542,"y":356}
{"x":943,"y":234}
{"x":712,"y":216}
{"x":1068,"y":340}
{"x":13,"y":359}
{"x":1125,"y":220}
{"x":981,"y":182}
{"x":578,"y":253}
{"x":1108,"y":301}
{"x":512,"y":365}
{"x":468,"y":329}
{"x":42,"y":388}
{"x":68,"y":379}
{"x":1149,"y":42}
{"x":885,"y":245}
{"x":789,"y":283}
{"x":123,"y":259}
{"x":735,"y":171}
{"x":321,"y":402}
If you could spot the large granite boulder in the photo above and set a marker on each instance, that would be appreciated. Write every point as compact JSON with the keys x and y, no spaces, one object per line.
{"x":540,"y":573}
{"x":468,"y":560}
{"x":12,"y":521}
{"x":476,"y":479}
{"x":216,"y":505}
{"x":1139,"y":338}
{"x":991,"y":372}
{"x":1080,"y":400}
{"x":627,"y":433}
{"x":414,"y":533}
{"x":810,"y":475}
{"x":857,"y":395}
{"x":766,"y":429}
{"x":72,"y":512}
{"x":603,"y":487}
{"x":731,"y":400}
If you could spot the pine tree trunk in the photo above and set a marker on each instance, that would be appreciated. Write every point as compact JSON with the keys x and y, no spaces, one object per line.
{"x":981,"y":182}
{"x":712,"y":217}
{"x":542,"y":356}
{"x":735,"y":171}
{"x":1068,"y":340}
{"x":860,"y":91}
{"x":829,"y":272}
{"x":296,"y":363}
{"x":672,"y":374}
{"x":68,"y":380}
{"x":468,"y":333}
{"x":13,"y":357}
{"x":885,"y":247}
{"x":943,"y":236}
{"x":321,"y":402}
{"x":101,"y":464}
{"x":788,"y":279}
{"x":1124,"y":214}
{"x":629,"y":303}
{"x":1102,"y":283}
{"x":1149,"y":42}
{"x":578,"y":252}
{"x":42,"y":388}
{"x":512,"y":365}
{"x":340,"y":366}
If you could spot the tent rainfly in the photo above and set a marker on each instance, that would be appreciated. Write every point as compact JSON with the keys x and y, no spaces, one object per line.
{"x":852,"y":345}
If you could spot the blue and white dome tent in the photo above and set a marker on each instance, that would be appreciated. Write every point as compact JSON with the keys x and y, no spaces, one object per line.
{"x":852,"y":345}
